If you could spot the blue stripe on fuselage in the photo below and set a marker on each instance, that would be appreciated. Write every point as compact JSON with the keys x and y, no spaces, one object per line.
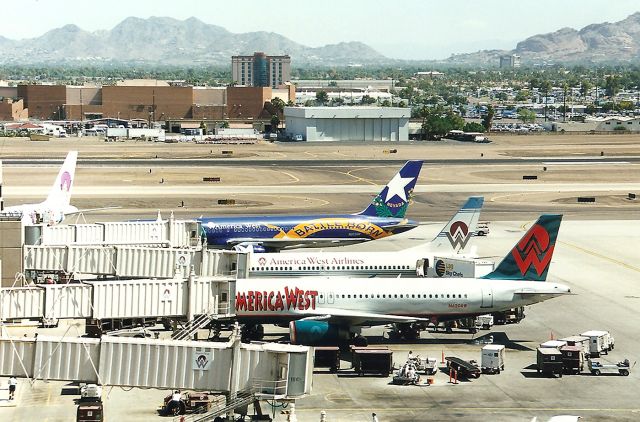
{"x":220,"y":230}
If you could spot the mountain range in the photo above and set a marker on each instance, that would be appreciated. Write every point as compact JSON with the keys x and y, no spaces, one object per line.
{"x":163,"y":40}
{"x":617,"y":42}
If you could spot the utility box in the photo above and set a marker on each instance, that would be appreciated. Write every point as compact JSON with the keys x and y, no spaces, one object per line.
{"x":492,"y":359}
{"x":373,"y":361}
{"x":90,"y":412}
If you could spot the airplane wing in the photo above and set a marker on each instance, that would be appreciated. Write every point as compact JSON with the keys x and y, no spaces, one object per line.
{"x":357,"y":317}
{"x":92,"y":210}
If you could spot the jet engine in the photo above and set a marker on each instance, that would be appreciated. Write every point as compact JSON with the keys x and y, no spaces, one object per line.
{"x":314,"y":333}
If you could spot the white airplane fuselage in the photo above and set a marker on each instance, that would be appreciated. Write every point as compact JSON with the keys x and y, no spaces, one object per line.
{"x":264,"y":300}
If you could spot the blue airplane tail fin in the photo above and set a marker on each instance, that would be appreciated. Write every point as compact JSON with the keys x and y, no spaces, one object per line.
{"x":394,"y":199}
{"x":455,"y":235}
{"x":530,"y":257}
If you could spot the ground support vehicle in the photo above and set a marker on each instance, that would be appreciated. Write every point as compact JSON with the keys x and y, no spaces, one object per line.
{"x":189,"y":403}
{"x":597,"y":368}
{"x":484,"y":322}
{"x":512,"y":316}
{"x":549,"y":361}
{"x":427,"y":365}
{"x":600,"y":342}
{"x":464,"y":369}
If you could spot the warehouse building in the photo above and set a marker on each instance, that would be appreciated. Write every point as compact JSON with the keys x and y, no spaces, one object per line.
{"x":366,"y":124}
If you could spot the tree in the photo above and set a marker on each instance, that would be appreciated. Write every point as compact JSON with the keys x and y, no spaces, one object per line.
{"x":473,"y":127}
{"x":322,"y":97}
{"x":275,"y":122}
{"x":526,"y":115}
{"x":437,"y":121}
{"x":279,"y":104}
{"x":368,"y":100}
{"x":612,"y":85}
{"x":585,"y":87}
{"x":386,"y":103}
{"x":488,"y":118}
{"x":337,"y":101}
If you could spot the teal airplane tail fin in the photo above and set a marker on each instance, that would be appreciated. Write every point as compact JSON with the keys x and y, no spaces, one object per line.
{"x":530,"y":257}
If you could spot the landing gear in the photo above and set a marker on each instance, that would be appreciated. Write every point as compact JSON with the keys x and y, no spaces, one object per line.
{"x":360,"y":341}
{"x":252,"y":332}
{"x":409,"y":332}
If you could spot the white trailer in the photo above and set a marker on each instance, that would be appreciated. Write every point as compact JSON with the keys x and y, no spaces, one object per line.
{"x":553,"y":344}
{"x":599,"y":342}
{"x":492,"y":359}
{"x":458,"y":267}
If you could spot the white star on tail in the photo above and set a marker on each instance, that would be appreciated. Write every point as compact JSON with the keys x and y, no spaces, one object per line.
{"x":396,"y":187}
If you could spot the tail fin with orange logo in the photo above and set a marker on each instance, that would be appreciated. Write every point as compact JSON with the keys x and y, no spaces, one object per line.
{"x":531,"y":256}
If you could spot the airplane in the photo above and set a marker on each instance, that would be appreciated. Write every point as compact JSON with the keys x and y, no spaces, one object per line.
{"x":384,"y":217}
{"x":334,"y":309}
{"x":53,"y":209}
{"x":452,"y":241}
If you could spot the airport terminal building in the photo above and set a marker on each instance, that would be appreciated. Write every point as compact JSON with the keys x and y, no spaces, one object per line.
{"x":366,"y":124}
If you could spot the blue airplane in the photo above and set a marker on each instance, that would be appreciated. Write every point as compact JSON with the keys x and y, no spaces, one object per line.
{"x":384,"y":217}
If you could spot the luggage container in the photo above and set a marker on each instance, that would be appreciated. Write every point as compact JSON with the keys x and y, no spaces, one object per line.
{"x":373,"y":361}
{"x":549,"y":361}
{"x":580,"y":341}
{"x":600,"y":342}
{"x":327,"y":357}
{"x":572,"y":359}
{"x":492,"y":359}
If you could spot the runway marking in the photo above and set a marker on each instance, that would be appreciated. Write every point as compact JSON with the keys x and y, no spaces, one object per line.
{"x":598,"y":255}
{"x":339,"y":153}
{"x":295,"y":179}
{"x":570,"y":163}
{"x":362,"y":179}
{"x":484,"y":409}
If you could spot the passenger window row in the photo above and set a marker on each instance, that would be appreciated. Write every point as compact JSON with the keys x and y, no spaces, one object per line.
{"x":334,"y":267}
{"x":401,"y":296}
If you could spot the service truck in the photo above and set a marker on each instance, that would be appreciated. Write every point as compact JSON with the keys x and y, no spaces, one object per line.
{"x":600,"y":342}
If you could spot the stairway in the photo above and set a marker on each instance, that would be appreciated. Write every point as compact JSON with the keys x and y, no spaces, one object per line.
{"x":192,"y":326}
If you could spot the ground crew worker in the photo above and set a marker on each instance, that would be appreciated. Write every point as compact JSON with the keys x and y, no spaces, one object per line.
{"x":13,"y":383}
{"x":374,"y":417}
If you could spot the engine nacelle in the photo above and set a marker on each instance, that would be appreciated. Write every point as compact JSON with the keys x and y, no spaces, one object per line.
{"x":250,"y":247}
{"x":316,"y":333}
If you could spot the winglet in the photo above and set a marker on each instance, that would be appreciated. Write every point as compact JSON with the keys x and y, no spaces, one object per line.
{"x":393,"y":200}
{"x":531,"y":256}
{"x":455,"y":235}
{"x":60,"y":193}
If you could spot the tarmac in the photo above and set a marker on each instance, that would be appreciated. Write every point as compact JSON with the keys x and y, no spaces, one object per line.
{"x":596,"y":255}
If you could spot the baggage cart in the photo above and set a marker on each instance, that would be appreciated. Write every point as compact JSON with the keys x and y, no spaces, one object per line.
{"x":373,"y":361}
{"x":327,"y":357}
{"x":549,"y":361}
{"x":572,"y":359}
{"x":598,"y":368}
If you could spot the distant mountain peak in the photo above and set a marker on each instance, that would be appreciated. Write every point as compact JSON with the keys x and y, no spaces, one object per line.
{"x":596,"y":43}
{"x":166,"y":40}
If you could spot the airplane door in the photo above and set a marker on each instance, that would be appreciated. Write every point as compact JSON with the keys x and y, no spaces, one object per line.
{"x":487,"y":297}
{"x":330,"y":298}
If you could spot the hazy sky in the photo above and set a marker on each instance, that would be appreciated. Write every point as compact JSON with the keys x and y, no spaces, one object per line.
{"x":408,"y":29}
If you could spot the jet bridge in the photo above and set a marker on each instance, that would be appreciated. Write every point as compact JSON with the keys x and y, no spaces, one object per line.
{"x":176,"y":299}
{"x":273,"y":371}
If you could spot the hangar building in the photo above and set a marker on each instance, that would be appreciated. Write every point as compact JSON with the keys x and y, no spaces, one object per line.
{"x":365,"y":124}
